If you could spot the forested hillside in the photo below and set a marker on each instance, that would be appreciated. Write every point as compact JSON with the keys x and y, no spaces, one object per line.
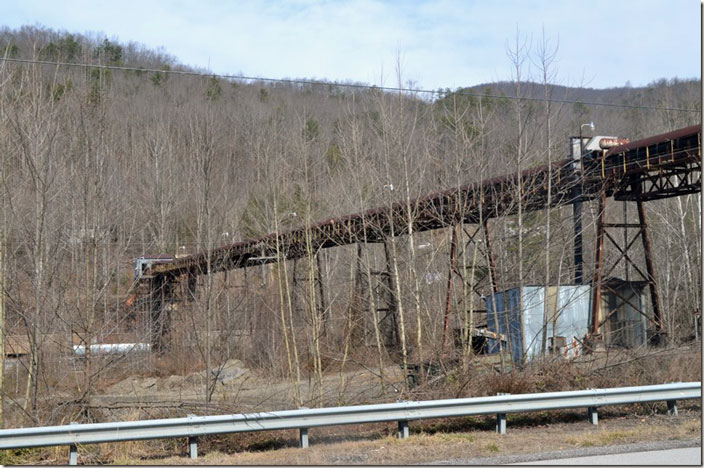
{"x":100,"y":166}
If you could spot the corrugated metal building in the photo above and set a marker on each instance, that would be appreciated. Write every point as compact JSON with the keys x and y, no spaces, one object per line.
{"x":567,"y":309}
{"x":623,"y":313}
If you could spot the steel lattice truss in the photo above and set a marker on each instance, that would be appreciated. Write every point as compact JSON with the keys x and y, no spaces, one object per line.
{"x":661,"y":166}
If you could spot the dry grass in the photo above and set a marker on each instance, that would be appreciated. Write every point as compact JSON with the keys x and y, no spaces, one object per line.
{"x":376,"y":443}
{"x":424,"y":447}
{"x":618,"y":367}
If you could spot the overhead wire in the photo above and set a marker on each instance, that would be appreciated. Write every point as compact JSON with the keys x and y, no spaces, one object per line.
{"x":438,"y":92}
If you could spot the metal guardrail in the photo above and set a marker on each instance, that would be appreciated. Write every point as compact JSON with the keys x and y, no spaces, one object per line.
{"x":194,"y":426}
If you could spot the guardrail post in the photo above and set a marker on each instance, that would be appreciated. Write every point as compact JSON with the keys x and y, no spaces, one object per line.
{"x":192,"y":441}
{"x":303,"y":433}
{"x":593,"y":415}
{"x":501,"y":423}
{"x":73,"y":455}
{"x":672,"y":407}
{"x":73,"y":452}
{"x":193,"y":446}
{"x":403,"y":429}
{"x":501,"y":418}
{"x":303,"y":439}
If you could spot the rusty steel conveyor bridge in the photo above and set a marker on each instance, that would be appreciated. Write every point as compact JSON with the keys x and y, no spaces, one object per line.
{"x":661,"y":166}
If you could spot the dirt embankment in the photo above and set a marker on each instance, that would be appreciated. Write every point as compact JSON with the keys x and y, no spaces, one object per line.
{"x":241,"y":389}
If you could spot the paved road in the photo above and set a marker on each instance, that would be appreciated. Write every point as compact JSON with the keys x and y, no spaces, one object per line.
{"x":681,"y":456}
{"x":671,"y":450}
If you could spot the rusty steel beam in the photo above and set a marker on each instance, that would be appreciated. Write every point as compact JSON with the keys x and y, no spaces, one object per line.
{"x":598,"y":263}
{"x":618,"y":170}
{"x":448,"y":297}
{"x":650,"y":270}
{"x":660,"y":166}
{"x":490,"y":258}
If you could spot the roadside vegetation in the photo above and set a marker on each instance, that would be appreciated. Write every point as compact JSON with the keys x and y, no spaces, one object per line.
{"x":100,"y":166}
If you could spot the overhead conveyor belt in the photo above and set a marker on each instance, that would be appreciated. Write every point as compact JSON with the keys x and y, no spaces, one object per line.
{"x":657,"y":167}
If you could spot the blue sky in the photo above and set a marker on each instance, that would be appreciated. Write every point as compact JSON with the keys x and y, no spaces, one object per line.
{"x":441,"y":44}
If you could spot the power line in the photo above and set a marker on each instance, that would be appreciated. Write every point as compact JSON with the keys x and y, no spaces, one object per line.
{"x":343,"y":85}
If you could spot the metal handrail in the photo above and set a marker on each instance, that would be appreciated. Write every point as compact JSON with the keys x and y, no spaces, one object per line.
{"x":302,"y":419}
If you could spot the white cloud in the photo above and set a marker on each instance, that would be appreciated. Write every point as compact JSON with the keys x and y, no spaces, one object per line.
{"x":444,"y":43}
